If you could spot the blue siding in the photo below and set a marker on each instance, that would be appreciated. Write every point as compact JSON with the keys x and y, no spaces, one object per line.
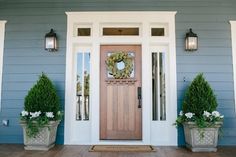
{"x":25,"y":58}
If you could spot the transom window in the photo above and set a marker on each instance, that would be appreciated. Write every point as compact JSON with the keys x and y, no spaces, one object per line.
{"x":121,"y":31}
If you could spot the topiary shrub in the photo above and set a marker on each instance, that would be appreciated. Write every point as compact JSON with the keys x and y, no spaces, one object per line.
{"x":42,"y":97}
{"x":41,"y":106}
{"x":199,"y":97}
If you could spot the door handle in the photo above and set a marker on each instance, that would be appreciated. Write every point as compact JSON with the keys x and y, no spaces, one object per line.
{"x":139,"y":92}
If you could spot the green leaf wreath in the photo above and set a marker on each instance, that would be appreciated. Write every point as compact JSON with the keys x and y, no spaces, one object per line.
{"x":115,"y":58}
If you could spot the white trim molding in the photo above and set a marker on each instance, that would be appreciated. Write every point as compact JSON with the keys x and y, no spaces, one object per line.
{"x":233,"y":38}
{"x":2,"y":35}
{"x":160,"y":132}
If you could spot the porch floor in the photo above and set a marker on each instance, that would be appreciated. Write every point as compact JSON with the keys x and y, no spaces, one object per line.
{"x":10,"y":150}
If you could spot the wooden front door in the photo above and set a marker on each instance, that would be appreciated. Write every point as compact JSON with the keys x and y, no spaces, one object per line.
{"x":120,"y":99}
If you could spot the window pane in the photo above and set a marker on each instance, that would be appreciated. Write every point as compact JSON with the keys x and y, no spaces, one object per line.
{"x":121,"y":31}
{"x":154,"y":87}
{"x":86,"y":85}
{"x":158,"y":31}
{"x":158,"y":87}
{"x":83,"y":84}
{"x":84,"y":31}
{"x":79,"y":86}
{"x":162,"y":86}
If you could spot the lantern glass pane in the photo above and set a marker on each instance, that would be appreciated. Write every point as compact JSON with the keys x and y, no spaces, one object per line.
{"x":191,"y":43}
{"x":50,"y":43}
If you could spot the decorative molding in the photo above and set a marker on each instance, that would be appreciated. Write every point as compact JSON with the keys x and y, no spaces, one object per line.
{"x":2,"y":35}
{"x":121,"y":81}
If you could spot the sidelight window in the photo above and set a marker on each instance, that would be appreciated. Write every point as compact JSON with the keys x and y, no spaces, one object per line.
{"x":158,"y":87}
{"x":83,"y":86}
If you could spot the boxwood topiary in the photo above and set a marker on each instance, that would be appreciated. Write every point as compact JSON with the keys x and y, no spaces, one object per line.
{"x":199,"y":97}
{"x":42,"y":97}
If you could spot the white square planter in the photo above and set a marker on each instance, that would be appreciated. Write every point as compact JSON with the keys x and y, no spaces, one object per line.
{"x":44,"y":140}
{"x":201,"y":139}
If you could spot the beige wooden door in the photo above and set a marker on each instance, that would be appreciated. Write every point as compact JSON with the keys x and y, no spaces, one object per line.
{"x":120,"y":105}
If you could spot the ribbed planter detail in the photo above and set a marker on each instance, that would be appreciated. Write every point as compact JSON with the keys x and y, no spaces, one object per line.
{"x":201,"y":139}
{"x":44,"y":140}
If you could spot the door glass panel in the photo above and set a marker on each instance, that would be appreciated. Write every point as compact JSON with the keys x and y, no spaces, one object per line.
{"x":83,"y":83}
{"x":158,"y":87}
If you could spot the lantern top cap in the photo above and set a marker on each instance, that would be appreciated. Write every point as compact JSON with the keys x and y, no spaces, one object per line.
{"x":190,"y":33}
{"x":51,"y":34}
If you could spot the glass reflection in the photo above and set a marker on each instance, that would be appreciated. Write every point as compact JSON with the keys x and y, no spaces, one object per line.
{"x":83,"y":81}
{"x":158,"y":87}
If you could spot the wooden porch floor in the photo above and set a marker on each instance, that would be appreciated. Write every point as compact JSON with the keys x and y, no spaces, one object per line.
{"x":82,"y":151}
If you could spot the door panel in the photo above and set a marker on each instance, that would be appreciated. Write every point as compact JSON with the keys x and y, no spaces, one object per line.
{"x":120,"y":117}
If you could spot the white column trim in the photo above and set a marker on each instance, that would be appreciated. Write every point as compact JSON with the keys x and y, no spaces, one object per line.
{"x":2,"y":35}
{"x":233,"y":39}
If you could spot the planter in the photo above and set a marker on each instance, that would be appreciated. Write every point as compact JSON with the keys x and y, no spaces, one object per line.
{"x":201,"y":139}
{"x":44,"y":140}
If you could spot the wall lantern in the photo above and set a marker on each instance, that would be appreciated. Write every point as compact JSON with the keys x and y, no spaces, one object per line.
{"x":191,"y":41}
{"x":51,"y":41}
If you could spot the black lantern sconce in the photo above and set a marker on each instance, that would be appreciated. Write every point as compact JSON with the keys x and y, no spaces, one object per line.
{"x":51,"y":41}
{"x":191,"y":41}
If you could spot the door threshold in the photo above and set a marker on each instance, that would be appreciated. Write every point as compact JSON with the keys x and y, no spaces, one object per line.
{"x":121,"y":142}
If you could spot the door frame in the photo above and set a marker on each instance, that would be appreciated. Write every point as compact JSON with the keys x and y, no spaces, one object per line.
{"x":145,"y":20}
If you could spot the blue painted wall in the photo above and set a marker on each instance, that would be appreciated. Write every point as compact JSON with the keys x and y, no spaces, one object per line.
{"x":25,"y":58}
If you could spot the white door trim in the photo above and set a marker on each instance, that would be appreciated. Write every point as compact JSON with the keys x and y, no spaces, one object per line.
{"x":96,"y":20}
{"x":233,"y":38}
{"x":2,"y":35}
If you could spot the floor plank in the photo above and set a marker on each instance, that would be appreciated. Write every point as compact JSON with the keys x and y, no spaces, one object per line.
{"x":13,"y":150}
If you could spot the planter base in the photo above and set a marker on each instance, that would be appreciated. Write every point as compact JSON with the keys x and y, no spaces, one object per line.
{"x":199,"y":149}
{"x":201,"y":139}
{"x":45,"y":148}
{"x":44,"y":140}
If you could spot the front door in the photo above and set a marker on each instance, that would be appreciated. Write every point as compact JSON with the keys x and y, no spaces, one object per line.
{"x":120,"y":97}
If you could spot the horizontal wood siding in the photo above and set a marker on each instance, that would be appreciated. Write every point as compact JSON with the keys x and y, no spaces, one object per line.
{"x":25,"y":58}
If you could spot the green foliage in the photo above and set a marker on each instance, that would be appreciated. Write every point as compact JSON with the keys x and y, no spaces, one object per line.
{"x":41,"y":106}
{"x":199,"y":97}
{"x":42,"y":97}
{"x":115,"y":58}
{"x":199,"y":105}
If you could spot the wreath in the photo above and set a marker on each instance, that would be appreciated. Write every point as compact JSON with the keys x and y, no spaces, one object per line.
{"x":112,"y":68}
